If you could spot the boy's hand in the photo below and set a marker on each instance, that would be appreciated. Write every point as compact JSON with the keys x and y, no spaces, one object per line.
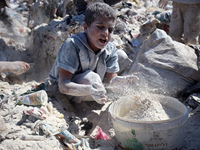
{"x":98,"y":92}
{"x":121,"y":80}
{"x":163,"y":3}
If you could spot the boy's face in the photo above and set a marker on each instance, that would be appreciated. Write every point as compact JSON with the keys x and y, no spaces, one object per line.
{"x":99,"y":33}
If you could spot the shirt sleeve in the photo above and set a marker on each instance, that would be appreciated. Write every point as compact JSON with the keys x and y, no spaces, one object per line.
{"x":68,"y":58}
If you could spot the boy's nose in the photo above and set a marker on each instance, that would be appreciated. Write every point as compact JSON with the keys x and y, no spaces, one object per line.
{"x":105,"y":32}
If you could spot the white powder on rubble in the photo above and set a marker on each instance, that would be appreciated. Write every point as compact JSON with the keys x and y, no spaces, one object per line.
{"x":149,"y":110}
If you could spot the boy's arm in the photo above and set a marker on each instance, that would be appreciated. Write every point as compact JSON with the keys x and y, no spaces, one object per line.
{"x":66,"y":86}
{"x":112,"y":79}
{"x":16,"y":67}
{"x":109,"y":77}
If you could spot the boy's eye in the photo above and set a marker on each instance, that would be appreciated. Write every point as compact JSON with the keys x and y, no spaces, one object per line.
{"x":110,"y":30}
{"x":100,"y":27}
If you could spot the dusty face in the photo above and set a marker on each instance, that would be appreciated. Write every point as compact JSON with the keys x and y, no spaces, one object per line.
{"x":99,"y":33}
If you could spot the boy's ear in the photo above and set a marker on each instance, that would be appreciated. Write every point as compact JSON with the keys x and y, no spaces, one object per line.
{"x":85,"y":26}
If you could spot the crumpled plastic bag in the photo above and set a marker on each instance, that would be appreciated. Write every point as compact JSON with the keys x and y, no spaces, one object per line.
{"x":99,"y":134}
{"x":36,"y":112}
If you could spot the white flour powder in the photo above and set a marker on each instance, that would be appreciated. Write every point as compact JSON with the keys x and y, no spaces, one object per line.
{"x":149,"y":110}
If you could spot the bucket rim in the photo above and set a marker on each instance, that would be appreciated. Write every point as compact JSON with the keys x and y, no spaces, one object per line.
{"x":151,"y":122}
{"x":179,"y":117}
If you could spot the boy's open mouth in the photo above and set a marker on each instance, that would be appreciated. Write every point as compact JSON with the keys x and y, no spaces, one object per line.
{"x":103,"y":41}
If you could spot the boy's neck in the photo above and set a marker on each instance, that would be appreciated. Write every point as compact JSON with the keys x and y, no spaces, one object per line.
{"x":96,"y":51}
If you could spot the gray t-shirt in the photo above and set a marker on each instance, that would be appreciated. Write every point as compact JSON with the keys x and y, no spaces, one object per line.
{"x":76,"y":56}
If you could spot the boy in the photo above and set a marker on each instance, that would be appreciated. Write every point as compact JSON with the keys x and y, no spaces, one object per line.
{"x":88,"y":59}
{"x":185,"y":20}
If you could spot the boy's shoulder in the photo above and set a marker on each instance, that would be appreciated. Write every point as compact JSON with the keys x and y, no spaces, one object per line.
{"x":111,"y":47}
{"x":74,"y":39}
{"x":79,"y":38}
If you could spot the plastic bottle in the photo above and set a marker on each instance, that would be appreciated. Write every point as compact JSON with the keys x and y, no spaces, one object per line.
{"x":38,"y":98}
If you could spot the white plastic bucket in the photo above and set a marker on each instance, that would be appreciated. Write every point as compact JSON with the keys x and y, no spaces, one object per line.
{"x":151,"y":135}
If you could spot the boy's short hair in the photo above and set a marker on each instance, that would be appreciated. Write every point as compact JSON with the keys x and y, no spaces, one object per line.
{"x":98,"y":9}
